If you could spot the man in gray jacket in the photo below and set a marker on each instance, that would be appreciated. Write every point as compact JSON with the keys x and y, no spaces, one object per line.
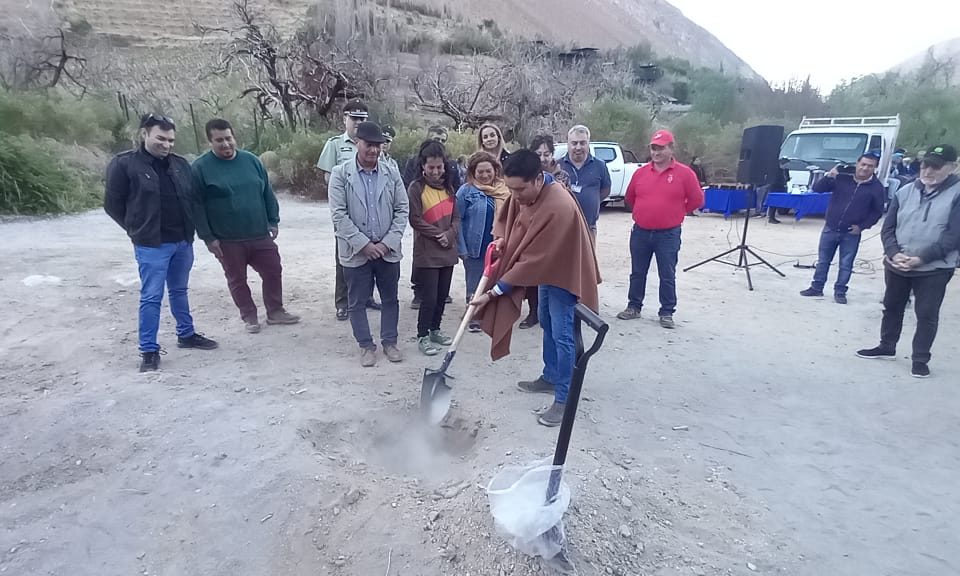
{"x":921,"y":243}
{"x":369,"y":207}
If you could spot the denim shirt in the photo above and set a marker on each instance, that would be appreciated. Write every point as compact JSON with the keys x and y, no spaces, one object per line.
{"x":472,"y":204}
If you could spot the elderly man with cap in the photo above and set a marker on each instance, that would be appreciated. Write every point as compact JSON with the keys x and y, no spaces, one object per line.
{"x":921,"y":244}
{"x":660,"y":194}
{"x":369,"y":208}
{"x":339,"y":150}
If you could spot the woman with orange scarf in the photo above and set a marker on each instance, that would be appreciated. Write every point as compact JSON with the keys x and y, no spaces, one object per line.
{"x":478,"y":202}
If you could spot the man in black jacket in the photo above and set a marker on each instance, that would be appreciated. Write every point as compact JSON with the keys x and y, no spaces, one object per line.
{"x":148,"y":193}
{"x":855,"y":205}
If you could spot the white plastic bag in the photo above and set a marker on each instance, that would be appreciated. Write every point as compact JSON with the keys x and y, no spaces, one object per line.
{"x":521,"y":514}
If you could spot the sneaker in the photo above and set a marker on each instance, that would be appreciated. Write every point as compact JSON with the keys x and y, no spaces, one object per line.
{"x":392,"y":353}
{"x":427,"y":347}
{"x":342,"y":314}
{"x":530,"y":321}
{"x":667,"y":322}
{"x":474,"y":327}
{"x":415,"y":303}
{"x":537,"y":386}
{"x":840,"y":298}
{"x":877,"y":353}
{"x":630,"y":313}
{"x":149,"y":361}
{"x":920,"y":370}
{"x":197,"y":341}
{"x":553,"y":416}
{"x":252,"y":325}
{"x":811,"y":292}
{"x":368,"y":357}
{"x":282,"y":317}
{"x":373,"y":304}
{"x":438,"y":337}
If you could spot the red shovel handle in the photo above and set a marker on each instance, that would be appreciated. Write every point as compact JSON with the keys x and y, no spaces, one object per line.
{"x":489,"y":264}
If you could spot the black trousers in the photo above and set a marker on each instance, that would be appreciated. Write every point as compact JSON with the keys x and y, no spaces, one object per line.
{"x":340,"y":283}
{"x":433,"y":287}
{"x":928,"y":292}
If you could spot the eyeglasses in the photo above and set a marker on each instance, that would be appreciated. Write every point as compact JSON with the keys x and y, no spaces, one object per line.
{"x":157,"y":120}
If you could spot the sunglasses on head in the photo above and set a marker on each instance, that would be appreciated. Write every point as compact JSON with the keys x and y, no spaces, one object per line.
{"x":157,"y":120}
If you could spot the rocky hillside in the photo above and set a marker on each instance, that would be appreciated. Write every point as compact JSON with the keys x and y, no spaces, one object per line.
{"x":947,"y":53}
{"x":572,"y":23}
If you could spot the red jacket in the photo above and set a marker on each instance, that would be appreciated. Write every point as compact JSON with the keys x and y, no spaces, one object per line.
{"x":660,"y":200}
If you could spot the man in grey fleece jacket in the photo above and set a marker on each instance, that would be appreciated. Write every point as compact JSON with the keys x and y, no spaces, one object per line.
{"x":921,"y":243}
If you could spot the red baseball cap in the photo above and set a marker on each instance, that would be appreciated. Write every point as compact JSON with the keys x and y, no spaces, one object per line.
{"x":662,"y":138}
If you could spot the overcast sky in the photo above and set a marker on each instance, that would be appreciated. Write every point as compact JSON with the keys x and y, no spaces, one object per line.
{"x":829,"y":40}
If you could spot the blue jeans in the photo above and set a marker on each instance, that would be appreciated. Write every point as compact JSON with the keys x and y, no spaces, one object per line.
{"x":644,"y":245}
{"x":559,"y":347}
{"x":473,"y":270}
{"x":848,"y":244}
{"x":168,"y":264}
{"x":360,"y":283}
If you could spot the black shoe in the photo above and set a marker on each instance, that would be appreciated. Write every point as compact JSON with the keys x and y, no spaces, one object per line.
{"x":920,"y":370}
{"x":840,"y":298}
{"x":373,"y":304}
{"x":342,"y":314}
{"x":772,"y":221}
{"x":811,"y":292}
{"x":197,"y":341}
{"x":449,"y":300}
{"x":415,"y":303}
{"x":877,"y":353}
{"x":149,"y":361}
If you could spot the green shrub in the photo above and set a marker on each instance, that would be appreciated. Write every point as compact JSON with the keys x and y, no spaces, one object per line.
{"x":35,"y":178}
{"x":623,"y":121}
{"x":296,"y":163}
{"x":92,"y":121}
{"x":408,"y":141}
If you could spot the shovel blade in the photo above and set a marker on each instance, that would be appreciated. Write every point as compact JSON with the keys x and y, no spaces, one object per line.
{"x":434,"y":396}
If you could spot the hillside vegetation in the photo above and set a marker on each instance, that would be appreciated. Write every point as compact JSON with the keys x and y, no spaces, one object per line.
{"x":67,"y":103}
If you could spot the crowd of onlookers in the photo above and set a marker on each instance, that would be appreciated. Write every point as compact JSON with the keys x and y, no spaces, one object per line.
{"x":457,"y":209}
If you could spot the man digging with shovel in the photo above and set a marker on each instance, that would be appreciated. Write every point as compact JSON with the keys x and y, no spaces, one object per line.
{"x":541,"y":239}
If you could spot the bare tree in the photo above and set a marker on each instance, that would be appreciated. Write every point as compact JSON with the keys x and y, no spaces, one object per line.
{"x":307,"y":71}
{"x":468,"y":99}
{"x":35,"y":59}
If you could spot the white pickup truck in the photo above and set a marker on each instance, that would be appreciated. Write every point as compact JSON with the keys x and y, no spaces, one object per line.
{"x":819,"y":144}
{"x":621,"y":164}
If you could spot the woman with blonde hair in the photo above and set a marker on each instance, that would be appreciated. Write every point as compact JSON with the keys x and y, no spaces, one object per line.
{"x":490,"y":139}
{"x":478,"y":202}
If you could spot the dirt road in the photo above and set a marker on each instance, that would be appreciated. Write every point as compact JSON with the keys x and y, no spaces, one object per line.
{"x":749,"y":440}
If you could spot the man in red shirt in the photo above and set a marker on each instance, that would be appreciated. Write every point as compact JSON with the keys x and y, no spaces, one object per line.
{"x":660,"y":194}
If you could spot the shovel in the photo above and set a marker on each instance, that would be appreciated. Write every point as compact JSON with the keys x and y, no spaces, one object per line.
{"x":434,"y":391}
{"x":582,"y":315}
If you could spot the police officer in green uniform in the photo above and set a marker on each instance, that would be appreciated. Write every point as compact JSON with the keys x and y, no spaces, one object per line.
{"x":336,"y":151}
{"x":389,"y":134}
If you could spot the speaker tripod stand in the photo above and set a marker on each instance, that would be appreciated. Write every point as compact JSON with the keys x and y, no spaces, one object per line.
{"x":742,"y":261}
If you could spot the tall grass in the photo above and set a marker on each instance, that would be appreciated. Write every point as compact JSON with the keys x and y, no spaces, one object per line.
{"x":36,"y":179}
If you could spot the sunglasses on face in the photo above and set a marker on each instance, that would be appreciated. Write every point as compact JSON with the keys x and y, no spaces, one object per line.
{"x":657,"y":148}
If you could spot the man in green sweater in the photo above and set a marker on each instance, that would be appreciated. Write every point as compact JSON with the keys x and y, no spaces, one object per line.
{"x":237,"y":215}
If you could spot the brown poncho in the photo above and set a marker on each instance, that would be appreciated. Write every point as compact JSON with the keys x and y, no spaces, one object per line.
{"x":547,"y":242}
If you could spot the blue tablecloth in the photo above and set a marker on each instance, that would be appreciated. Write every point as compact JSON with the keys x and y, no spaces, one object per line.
{"x":804,"y":204}
{"x":727,"y":201}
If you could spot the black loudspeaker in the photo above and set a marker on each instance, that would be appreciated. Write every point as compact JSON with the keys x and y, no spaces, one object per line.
{"x":759,"y":155}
